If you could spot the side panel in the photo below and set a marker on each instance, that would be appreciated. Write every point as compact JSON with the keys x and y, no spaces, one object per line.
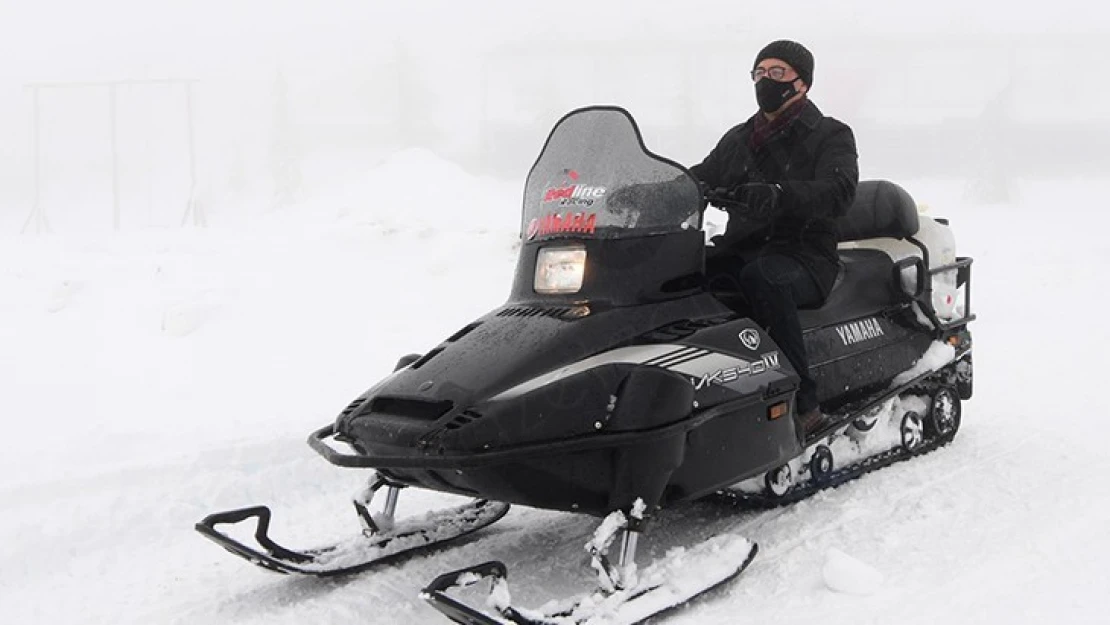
{"x":738,"y":359}
{"x":465,"y":394}
{"x":730,"y":449}
{"x":859,"y":355}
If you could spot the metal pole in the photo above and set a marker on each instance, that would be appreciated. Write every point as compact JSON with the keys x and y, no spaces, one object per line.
{"x":198,"y":217}
{"x":40,"y":219}
{"x":629,"y":539}
{"x":391,"y":501}
{"x":483,"y":146}
{"x":37,"y":215}
{"x":115,"y":157}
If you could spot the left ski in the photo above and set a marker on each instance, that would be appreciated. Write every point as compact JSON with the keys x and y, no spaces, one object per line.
{"x":381,"y":538}
{"x":664,"y":585}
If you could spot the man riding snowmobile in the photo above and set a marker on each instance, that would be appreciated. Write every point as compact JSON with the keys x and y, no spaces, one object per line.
{"x":613,"y":383}
{"x":796,"y":171}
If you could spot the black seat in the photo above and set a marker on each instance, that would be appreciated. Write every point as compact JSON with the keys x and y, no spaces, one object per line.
{"x":863,"y":283}
{"x":863,"y":287}
{"x":881,"y":209}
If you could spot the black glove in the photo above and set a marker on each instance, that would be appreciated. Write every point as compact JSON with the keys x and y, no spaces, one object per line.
{"x":761,"y":199}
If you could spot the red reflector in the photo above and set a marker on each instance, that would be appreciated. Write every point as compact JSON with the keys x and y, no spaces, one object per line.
{"x":777,"y":410}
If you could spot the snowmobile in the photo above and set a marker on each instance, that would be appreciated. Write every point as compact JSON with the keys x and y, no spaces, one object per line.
{"x":613,"y":383}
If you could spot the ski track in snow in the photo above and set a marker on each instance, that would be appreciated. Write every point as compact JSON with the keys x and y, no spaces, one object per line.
{"x":125,"y":435}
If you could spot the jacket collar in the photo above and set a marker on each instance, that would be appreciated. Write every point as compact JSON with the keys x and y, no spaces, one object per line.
{"x":810,"y":115}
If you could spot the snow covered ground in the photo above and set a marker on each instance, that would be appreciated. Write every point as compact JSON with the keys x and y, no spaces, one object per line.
{"x":150,"y":378}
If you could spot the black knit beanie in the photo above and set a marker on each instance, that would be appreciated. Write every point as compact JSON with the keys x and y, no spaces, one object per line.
{"x":793,"y":53}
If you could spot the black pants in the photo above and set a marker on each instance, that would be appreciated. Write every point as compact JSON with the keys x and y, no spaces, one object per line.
{"x":775,"y":287}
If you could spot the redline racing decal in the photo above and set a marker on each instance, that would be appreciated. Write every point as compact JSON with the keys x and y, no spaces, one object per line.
{"x":768,"y":362}
{"x":570,"y":223}
{"x":860,"y":331}
{"x":574,"y":195}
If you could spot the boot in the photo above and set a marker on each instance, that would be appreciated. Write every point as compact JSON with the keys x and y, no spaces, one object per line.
{"x":811,"y":421}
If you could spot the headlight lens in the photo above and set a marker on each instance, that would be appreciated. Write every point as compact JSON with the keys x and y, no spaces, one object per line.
{"x":560,"y":269}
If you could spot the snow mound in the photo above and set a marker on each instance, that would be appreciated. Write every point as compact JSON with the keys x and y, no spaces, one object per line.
{"x":415,"y":189}
{"x":62,"y":295}
{"x":935,"y":358}
{"x":184,"y":317}
{"x":402,"y":164}
{"x":845,"y":574}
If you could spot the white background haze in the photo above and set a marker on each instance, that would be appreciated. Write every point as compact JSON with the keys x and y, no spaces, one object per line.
{"x":359,"y":169}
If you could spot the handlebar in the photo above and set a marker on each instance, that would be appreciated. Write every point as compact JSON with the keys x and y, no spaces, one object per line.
{"x":724,"y":199}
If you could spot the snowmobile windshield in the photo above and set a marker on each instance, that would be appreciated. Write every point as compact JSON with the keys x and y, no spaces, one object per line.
{"x":595,"y":179}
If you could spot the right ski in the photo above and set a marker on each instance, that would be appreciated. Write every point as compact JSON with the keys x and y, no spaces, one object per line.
{"x":379,"y":541}
{"x":624,"y":596}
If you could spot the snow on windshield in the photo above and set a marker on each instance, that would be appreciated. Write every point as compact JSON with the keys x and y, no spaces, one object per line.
{"x":595,"y":178}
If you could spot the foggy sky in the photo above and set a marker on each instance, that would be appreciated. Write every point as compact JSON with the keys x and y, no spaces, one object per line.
{"x":481,"y":82}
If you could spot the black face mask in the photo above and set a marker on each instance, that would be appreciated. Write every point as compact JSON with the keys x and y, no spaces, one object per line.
{"x":772,"y":94}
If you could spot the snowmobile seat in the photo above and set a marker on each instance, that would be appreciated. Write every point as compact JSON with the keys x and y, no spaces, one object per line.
{"x":863,"y":287}
{"x":880,"y":209}
{"x":863,"y":284}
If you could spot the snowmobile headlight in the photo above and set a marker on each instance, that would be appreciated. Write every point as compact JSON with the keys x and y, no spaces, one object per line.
{"x":560,"y":269}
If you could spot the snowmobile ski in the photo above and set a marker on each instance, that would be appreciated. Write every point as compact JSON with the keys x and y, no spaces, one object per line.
{"x":624,"y":596}
{"x":380,"y":540}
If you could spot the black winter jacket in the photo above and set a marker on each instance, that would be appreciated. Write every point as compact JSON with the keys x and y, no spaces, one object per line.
{"x":814,"y":160}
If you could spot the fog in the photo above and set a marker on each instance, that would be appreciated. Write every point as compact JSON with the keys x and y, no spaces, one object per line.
{"x":281,"y":100}
{"x":221,"y":220}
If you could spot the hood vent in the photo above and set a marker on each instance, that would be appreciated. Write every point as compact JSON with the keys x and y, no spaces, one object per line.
{"x":352,"y":406}
{"x":461,"y":333}
{"x":418,"y":409}
{"x":683,"y":329}
{"x":565,"y":313}
{"x":462,"y":419}
{"x":426,"y":357}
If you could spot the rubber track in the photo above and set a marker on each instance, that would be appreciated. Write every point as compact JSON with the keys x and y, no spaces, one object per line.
{"x":838,"y":477}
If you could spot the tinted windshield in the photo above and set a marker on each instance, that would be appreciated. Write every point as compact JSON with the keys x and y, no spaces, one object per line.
{"x":594,"y":178}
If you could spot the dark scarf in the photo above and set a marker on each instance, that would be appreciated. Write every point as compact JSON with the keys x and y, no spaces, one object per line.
{"x":765,"y":129}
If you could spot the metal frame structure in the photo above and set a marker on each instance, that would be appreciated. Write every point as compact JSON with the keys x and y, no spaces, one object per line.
{"x":37,"y":217}
{"x":923,"y":293}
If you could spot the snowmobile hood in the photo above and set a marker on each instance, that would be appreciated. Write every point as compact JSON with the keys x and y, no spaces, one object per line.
{"x":633,"y":220}
{"x":574,"y":358}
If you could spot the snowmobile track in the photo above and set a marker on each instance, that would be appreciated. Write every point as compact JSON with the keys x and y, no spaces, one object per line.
{"x":836,"y":478}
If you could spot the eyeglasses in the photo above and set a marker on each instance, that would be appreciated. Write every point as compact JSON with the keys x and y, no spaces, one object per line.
{"x":775,"y":72}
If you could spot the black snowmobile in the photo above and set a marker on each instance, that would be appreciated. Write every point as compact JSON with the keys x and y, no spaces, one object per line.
{"x":614,"y":384}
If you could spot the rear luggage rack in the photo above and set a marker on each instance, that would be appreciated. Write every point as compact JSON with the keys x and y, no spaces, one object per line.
{"x":923,"y":294}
